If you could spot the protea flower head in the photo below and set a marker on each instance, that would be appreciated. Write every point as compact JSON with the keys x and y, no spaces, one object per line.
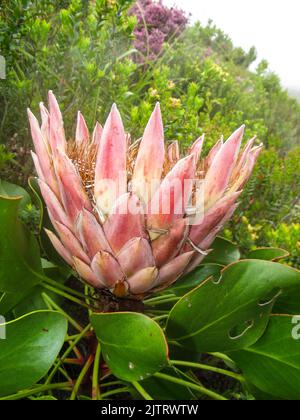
{"x":132,"y":217}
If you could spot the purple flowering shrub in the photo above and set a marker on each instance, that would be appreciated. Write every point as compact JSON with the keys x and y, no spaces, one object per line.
{"x":156,"y":25}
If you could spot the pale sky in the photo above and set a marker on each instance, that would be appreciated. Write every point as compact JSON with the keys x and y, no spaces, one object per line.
{"x":272,"y":26}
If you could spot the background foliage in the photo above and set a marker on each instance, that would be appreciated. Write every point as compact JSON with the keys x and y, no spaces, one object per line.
{"x":89,"y":53}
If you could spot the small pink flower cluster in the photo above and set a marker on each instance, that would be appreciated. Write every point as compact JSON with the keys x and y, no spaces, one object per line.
{"x":157,"y":24}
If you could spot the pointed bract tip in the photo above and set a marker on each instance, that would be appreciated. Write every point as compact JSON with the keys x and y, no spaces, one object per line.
{"x":196,"y":146}
{"x":53,"y":104}
{"x":237,"y":194}
{"x":51,"y":95}
{"x":156,"y":115}
{"x":199,"y":140}
{"x":256,"y":151}
{"x":32,"y":120}
{"x":236,"y":138}
{"x":115,"y":113}
{"x":240,"y":131}
{"x":259,"y":147}
{"x":157,"y":110}
{"x":114,"y":108}
{"x":250,"y":143}
{"x":30,"y":113}
{"x":47,"y":231}
{"x":155,"y":122}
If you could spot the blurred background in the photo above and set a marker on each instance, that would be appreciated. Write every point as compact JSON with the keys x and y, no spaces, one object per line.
{"x":213,"y":66}
{"x":272,"y":27}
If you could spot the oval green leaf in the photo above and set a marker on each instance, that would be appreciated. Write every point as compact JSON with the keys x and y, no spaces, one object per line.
{"x":268,"y":254}
{"x":273,"y":363}
{"x":20,"y":263}
{"x":11,"y":190}
{"x":223,"y":252}
{"x":232,"y":312}
{"x":31,"y":346}
{"x":133,"y":345}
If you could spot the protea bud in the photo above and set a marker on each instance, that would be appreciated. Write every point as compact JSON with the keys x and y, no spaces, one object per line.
{"x":133,"y":217}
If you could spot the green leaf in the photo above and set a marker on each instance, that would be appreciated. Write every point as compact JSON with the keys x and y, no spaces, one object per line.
{"x":257,"y":394}
{"x":20,"y":263}
{"x":34,"y":301}
{"x":133,"y":345}
{"x":223,"y":252}
{"x":273,"y":363}
{"x":31,"y":346}
{"x":269,"y":254}
{"x":178,"y":352}
{"x":9,"y":301}
{"x":196,"y":277}
{"x":11,"y":190}
{"x":160,"y":389}
{"x":233,"y":312}
{"x":288,"y":302}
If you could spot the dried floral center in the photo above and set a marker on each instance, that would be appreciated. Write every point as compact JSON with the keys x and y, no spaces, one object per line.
{"x":83,"y":157}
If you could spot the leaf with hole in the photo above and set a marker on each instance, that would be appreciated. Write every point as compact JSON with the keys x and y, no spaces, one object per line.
{"x":133,"y":345}
{"x":31,"y":346}
{"x":233,"y":312}
{"x":272,"y":364}
{"x":196,"y":277}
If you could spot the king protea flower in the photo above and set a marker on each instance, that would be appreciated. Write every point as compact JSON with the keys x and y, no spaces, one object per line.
{"x":127,"y":216}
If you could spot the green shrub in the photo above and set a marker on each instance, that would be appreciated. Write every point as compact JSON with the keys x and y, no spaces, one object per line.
{"x":285,"y":236}
{"x":5,"y":157}
{"x":78,"y":49}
